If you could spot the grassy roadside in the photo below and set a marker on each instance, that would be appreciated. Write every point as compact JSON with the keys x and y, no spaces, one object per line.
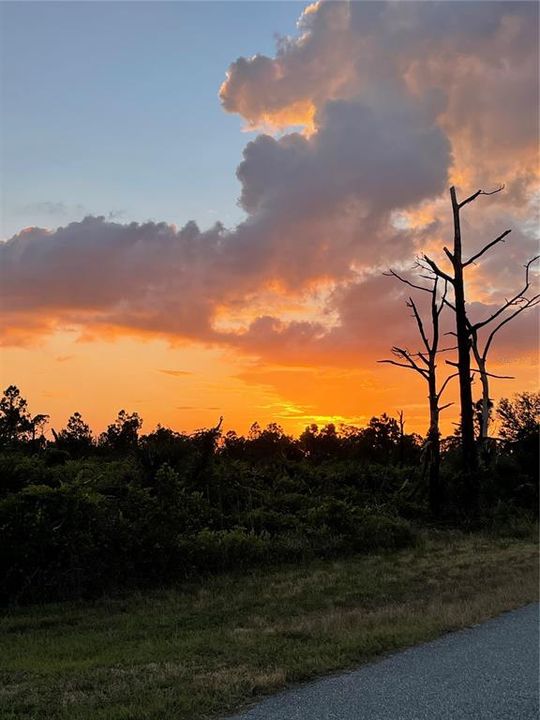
{"x":198,"y":652}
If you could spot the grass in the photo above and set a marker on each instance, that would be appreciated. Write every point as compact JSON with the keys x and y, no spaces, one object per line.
{"x":201,"y":651}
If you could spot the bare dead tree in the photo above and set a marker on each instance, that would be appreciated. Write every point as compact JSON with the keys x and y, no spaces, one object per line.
{"x":481,"y":346}
{"x":424,"y":363}
{"x":463,"y":334}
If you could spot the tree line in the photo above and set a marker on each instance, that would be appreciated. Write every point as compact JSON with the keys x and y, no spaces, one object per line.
{"x":82,"y":514}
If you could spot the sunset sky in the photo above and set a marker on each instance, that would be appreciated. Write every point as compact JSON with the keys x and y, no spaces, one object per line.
{"x":199,"y":201}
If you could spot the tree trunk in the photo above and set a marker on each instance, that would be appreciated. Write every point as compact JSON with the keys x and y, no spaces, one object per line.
{"x":435,"y":488}
{"x":434,"y":444}
{"x":485,"y":409}
{"x":468,"y":446}
{"x":485,"y":403}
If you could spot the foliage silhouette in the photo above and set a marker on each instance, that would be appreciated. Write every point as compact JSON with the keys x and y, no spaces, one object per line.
{"x":81,"y":516}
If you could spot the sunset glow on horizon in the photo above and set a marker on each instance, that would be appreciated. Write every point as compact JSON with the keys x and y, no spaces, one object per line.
{"x":344,"y":142}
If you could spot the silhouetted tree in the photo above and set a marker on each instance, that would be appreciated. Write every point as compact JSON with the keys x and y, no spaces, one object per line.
{"x":382,"y":436}
{"x":164,"y":445}
{"x":15,"y":420}
{"x":456,"y":279}
{"x":123,"y":434}
{"x":76,"y":437}
{"x":37,"y":431}
{"x":480,"y":349}
{"x":320,"y":444}
{"x":206,"y":443}
{"x":424,"y":363}
{"x":520,"y":434}
{"x":520,"y":418}
{"x":468,"y":339}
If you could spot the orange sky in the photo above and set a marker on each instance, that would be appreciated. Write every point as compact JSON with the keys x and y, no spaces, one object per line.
{"x":189,"y":387}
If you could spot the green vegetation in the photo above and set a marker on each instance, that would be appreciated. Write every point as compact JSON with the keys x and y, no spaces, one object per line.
{"x":80,"y":516}
{"x":204,"y":649}
{"x":199,"y":571}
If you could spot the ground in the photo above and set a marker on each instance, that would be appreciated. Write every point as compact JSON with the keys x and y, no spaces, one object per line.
{"x":203,"y":650}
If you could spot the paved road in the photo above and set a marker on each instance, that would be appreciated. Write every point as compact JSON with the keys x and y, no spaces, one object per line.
{"x":489,"y":672}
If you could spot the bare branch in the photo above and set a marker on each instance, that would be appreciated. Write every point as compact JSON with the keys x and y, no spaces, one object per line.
{"x":402,"y":365}
{"x":518,"y":297}
{"x":437,"y":270}
{"x":528,"y":304}
{"x":403,"y":354}
{"x":448,"y":254}
{"x":434,"y":318}
{"x":435,"y":352}
{"x":443,"y":407}
{"x":477,"y":193}
{"x":450,"y":305}
{"x":392,"y":273}
{"x":499,"y":377}
{"x":486,"y":248}
{"x":420,"y":324}
{"x":443,"y":299}
{"x":445,"y":383}
{"x":394,"y":362}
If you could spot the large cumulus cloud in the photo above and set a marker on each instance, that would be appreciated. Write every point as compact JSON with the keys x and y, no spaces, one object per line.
{"x":369,"y":112}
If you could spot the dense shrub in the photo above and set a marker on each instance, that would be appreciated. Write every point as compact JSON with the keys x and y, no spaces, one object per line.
{"x":80,"y":516}
{"x":90,"y":525}
{"x":507,"y":520}
{"x":54,"y":541}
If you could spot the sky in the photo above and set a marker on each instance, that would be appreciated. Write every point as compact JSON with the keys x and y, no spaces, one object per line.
{"x":199,"y":200}
{"x":111,"y":108}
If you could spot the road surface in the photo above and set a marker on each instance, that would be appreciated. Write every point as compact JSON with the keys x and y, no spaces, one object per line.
{"x":488,"y":672}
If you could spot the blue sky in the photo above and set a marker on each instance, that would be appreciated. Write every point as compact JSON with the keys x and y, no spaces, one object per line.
{"x":112,"y":107}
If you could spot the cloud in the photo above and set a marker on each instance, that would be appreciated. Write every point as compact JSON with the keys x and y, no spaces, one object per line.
{"x":176,"y":373}
{"x":359,"y":151}
{"x":369,"y":112}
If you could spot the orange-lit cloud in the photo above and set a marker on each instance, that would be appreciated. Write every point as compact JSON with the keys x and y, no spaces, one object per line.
{"x":375,"y":108}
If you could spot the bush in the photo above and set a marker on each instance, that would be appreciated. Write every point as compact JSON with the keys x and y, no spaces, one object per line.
{"x":381,"y":532}
{"x":507,"y":520}
{"x":218,"y":550}
{"x":54,"y":542}
{"x":85,"y":518}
